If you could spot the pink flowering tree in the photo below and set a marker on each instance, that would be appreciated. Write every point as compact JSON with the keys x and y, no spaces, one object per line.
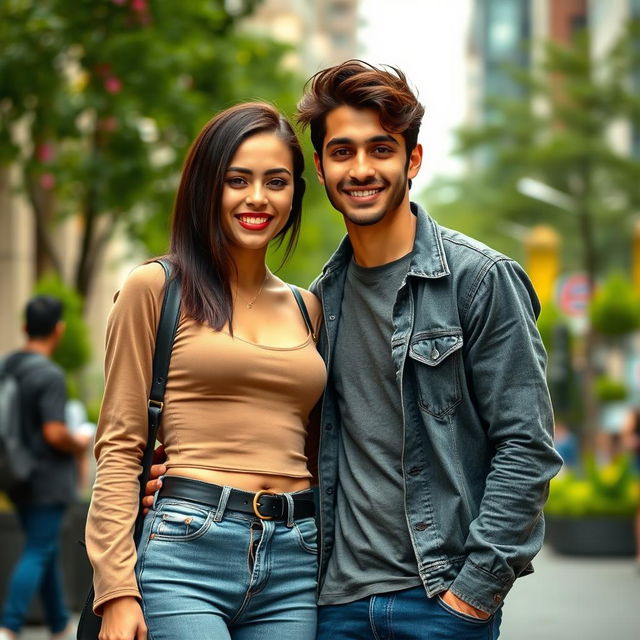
{"x":100,"y":98}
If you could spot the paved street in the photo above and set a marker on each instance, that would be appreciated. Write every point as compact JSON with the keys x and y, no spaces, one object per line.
{"x":565,"y":599}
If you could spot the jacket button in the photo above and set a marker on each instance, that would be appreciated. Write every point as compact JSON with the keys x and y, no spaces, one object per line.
{"x":421,"y":526}
{"x":331,"y":317}
{"x":435,"y":354}
{"x":330,"y":491}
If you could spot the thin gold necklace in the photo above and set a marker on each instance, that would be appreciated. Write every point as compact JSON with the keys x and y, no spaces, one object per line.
{"x":251,"y":302}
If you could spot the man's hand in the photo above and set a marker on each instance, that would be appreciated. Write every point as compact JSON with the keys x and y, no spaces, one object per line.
{"x":157,"y":469}
{"x":456,"y":603}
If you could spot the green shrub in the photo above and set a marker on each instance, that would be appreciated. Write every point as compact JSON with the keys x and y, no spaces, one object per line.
{"x":611,"y":490}
{"x":74,"y":350}
{"x":610,"y":390}
{"x":615,"y":308}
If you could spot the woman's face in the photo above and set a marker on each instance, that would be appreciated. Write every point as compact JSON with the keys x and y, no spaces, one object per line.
{"x":258,"y":191}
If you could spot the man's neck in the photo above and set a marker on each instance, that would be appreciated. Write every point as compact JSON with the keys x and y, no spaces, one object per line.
{"x":43,"y":347}
{"x":388,"y":240}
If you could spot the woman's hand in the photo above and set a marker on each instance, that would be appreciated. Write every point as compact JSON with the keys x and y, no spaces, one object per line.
{"x":122,"y":619}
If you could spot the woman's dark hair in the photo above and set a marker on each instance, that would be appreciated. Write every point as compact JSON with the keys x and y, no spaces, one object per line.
{"x":199,"y":246}
{"x":42,"y":314}
{"x":362,"y":86}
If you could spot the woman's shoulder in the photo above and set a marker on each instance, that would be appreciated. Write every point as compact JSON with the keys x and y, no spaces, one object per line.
{"x":143,"y":280}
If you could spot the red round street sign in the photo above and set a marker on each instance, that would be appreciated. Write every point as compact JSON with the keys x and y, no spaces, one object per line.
{"x":574,"y":294}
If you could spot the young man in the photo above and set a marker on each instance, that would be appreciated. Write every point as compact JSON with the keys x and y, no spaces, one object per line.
{"x":435,"y":441}
{"x":436,"y":432}
{"x":42,"y":500}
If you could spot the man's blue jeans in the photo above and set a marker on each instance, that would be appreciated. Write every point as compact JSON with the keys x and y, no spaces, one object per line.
{"x":38,"y":569}
{"x":402,"y":615}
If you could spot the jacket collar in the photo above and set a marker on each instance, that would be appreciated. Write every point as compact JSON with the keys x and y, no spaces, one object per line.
{"x":428,"y":259}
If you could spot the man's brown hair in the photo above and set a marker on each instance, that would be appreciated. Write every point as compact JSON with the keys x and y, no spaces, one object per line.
{"x":360,"y":85}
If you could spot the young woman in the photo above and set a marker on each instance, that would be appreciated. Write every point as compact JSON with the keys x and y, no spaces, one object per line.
{"x":229,"y":549}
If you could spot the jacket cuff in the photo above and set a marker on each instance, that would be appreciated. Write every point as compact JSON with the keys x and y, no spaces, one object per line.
{"x":479,"y":588}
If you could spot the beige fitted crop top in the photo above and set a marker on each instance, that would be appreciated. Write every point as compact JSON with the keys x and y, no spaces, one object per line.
{"x":223,"y":396}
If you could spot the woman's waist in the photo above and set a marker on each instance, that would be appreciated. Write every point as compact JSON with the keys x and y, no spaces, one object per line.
{"x":239,"y":479}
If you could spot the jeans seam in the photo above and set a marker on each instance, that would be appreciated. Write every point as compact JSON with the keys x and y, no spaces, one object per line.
{"x":372,"y":622}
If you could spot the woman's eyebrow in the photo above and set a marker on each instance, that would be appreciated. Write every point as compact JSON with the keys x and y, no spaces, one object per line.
{"x":268,"y":172}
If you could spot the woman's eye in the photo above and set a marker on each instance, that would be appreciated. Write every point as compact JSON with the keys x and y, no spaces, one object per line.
{"x":278,"y":183}
{"x":236,"y":182}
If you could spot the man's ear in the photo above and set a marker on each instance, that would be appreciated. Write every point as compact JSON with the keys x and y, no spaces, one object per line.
{"x":415,"y":161}
{"x":318,"y":162}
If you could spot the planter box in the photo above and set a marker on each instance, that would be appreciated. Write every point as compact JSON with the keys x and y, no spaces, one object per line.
{"x":591,"y":535}
{"x":76,"y":569}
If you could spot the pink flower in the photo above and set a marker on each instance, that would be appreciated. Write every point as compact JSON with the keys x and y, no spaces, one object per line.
{"x":119,"y":2}
{"x":139,"y":5}
{"x":47,"y":181}
{"x":113,"y":84}
{"x":45,"y":152}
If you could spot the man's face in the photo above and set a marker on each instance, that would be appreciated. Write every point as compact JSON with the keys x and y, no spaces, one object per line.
{"x":364,"y":168}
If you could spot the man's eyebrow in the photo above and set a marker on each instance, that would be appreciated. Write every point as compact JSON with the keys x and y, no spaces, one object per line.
{"x":249,"y":172}
{"x":334,"y":142}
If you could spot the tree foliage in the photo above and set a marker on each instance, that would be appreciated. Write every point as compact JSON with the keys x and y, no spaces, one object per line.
{"x":559,"y":131}
{"x":99,"y":100}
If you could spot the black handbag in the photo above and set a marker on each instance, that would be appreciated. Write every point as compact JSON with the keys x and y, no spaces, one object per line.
{"x":89,"y":623}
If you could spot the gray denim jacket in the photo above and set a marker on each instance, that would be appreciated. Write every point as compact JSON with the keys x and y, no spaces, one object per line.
{"x":478,"y":450}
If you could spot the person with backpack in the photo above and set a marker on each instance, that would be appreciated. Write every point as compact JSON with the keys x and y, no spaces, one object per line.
{"x":41,"y":487}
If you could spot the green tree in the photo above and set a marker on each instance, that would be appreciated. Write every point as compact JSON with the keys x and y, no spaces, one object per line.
{"x":558,"y":132}
{"x":100,"y":99}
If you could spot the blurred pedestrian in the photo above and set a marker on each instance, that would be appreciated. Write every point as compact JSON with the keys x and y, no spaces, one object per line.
{"x":631,"y":439}
{"x":566,"y":444}
{"x":42,"y":499}
{"x":229,"y":547}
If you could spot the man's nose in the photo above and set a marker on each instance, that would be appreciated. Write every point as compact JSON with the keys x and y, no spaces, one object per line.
{"x":361,"y":168}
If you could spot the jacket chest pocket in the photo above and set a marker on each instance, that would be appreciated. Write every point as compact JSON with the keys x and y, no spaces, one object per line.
{"x":437,"y":364}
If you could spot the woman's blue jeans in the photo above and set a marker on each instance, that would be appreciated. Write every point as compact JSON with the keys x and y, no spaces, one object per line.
{"x":402,"y":615}
{"x":206,"y":572}
{"x":38,"y":569}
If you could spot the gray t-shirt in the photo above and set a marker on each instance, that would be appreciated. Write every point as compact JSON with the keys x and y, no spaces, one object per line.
{"x":43,"y":395}
{"x":373,"y":551}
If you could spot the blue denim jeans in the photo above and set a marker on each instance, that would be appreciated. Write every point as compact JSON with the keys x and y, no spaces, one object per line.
{"x":402,"y":615}
{"x":208,"y":573}
{"x":38,"y":569}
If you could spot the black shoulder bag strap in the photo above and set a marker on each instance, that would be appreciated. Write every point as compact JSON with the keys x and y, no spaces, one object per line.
{"x":89,"y":623}
{"x":303,"y":308}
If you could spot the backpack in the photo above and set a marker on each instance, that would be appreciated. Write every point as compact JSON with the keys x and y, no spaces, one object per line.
{"x":16,"y":459}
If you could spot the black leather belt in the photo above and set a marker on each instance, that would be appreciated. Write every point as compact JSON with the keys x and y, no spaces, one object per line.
{"x":265,"y":505}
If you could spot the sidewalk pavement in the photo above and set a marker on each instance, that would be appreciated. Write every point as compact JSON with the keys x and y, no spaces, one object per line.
{"x":567,"y":598}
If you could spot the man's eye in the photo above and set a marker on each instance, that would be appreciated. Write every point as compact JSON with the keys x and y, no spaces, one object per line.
{"x":382,"y":150}
{"x":341,"y":153}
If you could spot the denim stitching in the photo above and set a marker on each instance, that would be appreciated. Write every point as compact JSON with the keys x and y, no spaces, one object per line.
{"x":222,"y":504}
{"x":372,"y":622}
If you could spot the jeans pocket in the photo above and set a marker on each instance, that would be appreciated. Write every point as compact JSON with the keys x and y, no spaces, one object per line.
{"x":180,"y":520}
{"x":459,"y":614}
{"x":306,"y":532}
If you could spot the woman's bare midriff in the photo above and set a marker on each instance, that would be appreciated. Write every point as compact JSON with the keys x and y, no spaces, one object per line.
{"x":244,"y":481}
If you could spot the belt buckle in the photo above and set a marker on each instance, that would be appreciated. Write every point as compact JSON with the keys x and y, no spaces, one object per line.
{"x":256,"y":503}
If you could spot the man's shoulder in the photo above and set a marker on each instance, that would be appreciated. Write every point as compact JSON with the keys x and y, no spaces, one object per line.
{"x":464,"y":249}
